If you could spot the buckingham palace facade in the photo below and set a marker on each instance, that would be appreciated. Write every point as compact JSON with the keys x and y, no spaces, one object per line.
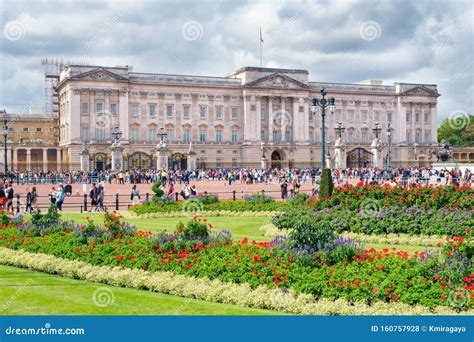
{"x":232,"y":121}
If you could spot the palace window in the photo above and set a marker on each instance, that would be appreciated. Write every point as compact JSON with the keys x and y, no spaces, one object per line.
{"x":219,"y":135}
{"x":152,"y":109}
{"x":85,"y":133}
{"x":427,"y":118}
{"x":135,"y":110}
{"x":25,"y":129}
{"x":262,"y":135}
{"x":100,"y":134}
{"x":202,"y":112}
{"x":287,"y":136}
{"x":98,"y":107}
{"x":218,"y":112}
{"x":235,"y":113}
{"x":152,"y":135}
{"x":408,"y":118}
{"x":135,"y":134}
{"x":113,"y":108}
{"x":418,"y":137}
{"x":186,"y":135}
{"x":186,"y":111}
{"x":169,"y":134}
{"x":417,"y":117}
{"x":408,"y":137}
{"x":350,"y":116}
{"x":169,"y":111}
{"x":350,"y":136}
{"x":275,"y":135}
{"x":427,"y":137}
{"x":202,"y":135}
{"x":363,"y":116}
{"x":85,"y":108}
{"x":389,"y":117}
{"x":364,"y":137}
{"x":39,"y":129}
{"x":234,"y":135}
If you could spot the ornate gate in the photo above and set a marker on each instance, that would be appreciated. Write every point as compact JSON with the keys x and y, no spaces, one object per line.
{"x":139,"y":160}
{"x":358,"y":158}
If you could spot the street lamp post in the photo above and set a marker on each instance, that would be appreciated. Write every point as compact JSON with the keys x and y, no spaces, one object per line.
{"x":339,"y":129}
{"x":116,"y":134}
{"x":389,"y":154}
{"x":377,"y":129}
{"x":5,"y":136}
{"x":323,"y":103}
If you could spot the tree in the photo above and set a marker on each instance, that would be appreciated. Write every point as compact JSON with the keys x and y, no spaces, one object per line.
{"x":326,"y":185}
{"x":457,"y":131}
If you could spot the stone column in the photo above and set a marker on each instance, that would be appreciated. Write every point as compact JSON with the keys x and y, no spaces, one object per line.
{"x":339,"y":154}
{"x":123,"y":115}
{"x":14,"y":164}
{"x":270,"y":118}
{"x":247,"y":119}
{"x":58,"y":160}
{"x":297,"y":129}
{"x":28,"y":159}
{"x":283,"y":119}
{"x":117,"y":157}
{"x":85,"y":159}
{"x":45,"y":160}
{"x":258,"y":118}
{"x":162,"y":158}
{"x":305,"y":120}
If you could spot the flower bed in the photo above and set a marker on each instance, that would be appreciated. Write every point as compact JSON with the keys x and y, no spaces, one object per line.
{"x":352,"y":274}
{"x":211,"y":290}
{"x":392,"y":220}
{"x":381,"y":196}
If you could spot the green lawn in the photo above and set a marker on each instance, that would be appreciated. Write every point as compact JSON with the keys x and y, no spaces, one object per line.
{"x":24,"y":292}
{"x":240,"y":227}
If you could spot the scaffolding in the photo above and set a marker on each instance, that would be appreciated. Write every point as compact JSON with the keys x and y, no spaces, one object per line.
{"x":52,"y":70}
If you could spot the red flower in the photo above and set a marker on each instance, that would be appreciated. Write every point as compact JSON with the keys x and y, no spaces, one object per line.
{"x":468,"y":230}
{"x":256,"y":258}
{"x":357,"y":283}
{"x":438,"y":244}
{"x":134,"y":257}
{"x":339,"y":284}
{"x":285,"y":279}
{"x":443,"y":298}
{"x":277,"y":281}
{"x":375,"y":290}
{"x":394,"y":297}
{"x":331,"y":282}
{"x":387,"y":290}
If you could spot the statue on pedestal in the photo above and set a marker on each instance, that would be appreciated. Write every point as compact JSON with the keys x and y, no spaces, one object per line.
{"x":191,"y":166}
{"x":376,"y":148}
{"x":340,"y":154}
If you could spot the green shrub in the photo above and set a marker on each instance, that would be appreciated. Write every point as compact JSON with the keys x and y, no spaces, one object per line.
{"x":299,"y":199}
{"x":208,"y":199}
{"x":259,"y":197}
{"x":310,"y":235}
{"x":326,"y":185}
{"x":195,"y":228}
{"x":157,"y":190}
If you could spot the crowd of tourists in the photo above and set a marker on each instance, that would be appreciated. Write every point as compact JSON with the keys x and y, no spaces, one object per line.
{"x":408,"y":175}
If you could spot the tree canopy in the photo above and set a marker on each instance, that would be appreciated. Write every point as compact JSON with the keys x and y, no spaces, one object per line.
{"x":457,"y":131}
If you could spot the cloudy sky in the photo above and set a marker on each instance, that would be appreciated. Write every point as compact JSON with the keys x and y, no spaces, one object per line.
{"x":425,"y":41}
